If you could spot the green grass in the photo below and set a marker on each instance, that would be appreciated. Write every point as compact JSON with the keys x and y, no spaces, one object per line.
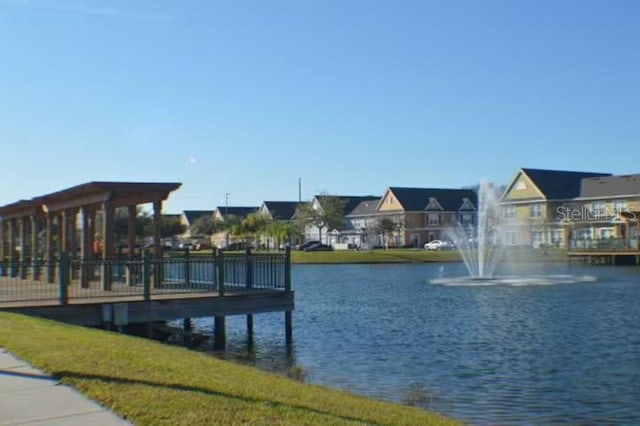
{"x":375,"y":256}
{"x":153,"y":384}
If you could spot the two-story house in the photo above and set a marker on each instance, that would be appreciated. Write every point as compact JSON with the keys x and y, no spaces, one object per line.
{"x":424,"y":214}
{"x":535,"y":203}
{"x":331,"y":233}
{"x":223,"y":238}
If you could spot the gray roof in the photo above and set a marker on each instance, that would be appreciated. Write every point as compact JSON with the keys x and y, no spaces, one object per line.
{"x":610,"y":186}
{"x":416,"y":199}
{"x":366,"y":208}
{"x":192,"y":215}
{"x":559,"y":184}
{"x":236,"y":211}
{"x":349,"y":202}
{"x":282,"y":210}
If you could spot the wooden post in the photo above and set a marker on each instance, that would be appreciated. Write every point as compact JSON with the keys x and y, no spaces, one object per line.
{"x":108,"y":245}
{"x":2,"y":234}
{"x":146,"y":276}
{"x":131,"y":244}
{"x":85,"y":250}
{"x":35,"y":265}
{"x":187,"y":268}
{"x":22,"y":229}
{"x":219,"y":332}
{"x":250,"y":328}
{"x":249,"y":268}
{"x":12,"y":248}
{"x":63,"y":278}
{"x":288,"y":327}
{"x":220,"y":271}
{"x":187,"y":325}
{"x":49,"y":249}
{"x":287,"y":270}
{"x":157,"y":246}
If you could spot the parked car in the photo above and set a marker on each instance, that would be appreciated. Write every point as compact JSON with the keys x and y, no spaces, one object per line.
{"x":319,"y":247}
{"x":437,"y":245}
{"x":307,"y":244}
{"x":186,"y":246}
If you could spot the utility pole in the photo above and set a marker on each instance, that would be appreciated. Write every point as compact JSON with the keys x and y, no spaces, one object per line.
{"x":226,"y":216}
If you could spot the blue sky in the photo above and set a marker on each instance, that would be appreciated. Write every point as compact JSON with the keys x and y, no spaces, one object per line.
{"x":245,"y":97}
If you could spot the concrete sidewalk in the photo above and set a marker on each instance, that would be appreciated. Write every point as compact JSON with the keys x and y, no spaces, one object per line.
{"x":29,"y":396}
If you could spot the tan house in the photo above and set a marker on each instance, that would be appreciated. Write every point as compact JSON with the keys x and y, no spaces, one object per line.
{"x":223,"y":213}
{"x":424,"y":214}
{"x":606,"y":214}
{"x":534,"y":206}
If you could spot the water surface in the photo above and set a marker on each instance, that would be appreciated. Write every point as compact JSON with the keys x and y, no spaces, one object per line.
{"x":566,"y":353}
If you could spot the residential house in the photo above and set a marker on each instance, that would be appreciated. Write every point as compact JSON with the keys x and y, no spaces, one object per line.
{"x":333,"y":235}
{"x":187,"y":218}
{"x":223,"y":239}
{"x":277,"y":211}
{"x":534,"y":206}
{"x":608,"y":208}
{"x":424,"y":214}
{"x":361,"y":228}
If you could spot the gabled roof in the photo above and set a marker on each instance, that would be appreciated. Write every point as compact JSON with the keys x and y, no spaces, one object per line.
{"x":366,"y":208}
{"x":417,"y":199}
{"x":236,"y":211}
{"x":559,"y":184}
{"x":282,"y":210}
{"x":192,"y":215}
{"x":349,"y":202}
{"x":610,"y":186}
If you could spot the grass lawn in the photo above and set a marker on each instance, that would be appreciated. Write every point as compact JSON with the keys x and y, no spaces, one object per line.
{"x":375,"y":256}
{"x":153,"y":384}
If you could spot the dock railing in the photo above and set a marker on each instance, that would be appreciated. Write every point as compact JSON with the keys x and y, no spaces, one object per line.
{"x":143,"y":277}
{"x":604,"y":245}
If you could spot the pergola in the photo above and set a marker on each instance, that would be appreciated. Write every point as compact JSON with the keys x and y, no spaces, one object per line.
{"x":57,"y":213}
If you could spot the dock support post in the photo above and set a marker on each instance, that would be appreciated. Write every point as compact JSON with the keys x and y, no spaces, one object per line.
{"x":186,"y":324}
{"x":288,"y":317}
{"x":250,"y":329}
{"x":219,"y":332}
{"x":288,"y":327}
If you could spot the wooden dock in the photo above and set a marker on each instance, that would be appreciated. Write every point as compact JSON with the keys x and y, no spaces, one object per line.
{"x":147,"y":290}
{"x":605,"y":257}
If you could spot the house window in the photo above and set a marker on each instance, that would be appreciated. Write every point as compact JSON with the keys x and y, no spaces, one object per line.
{"x":510,"y":238}
{"x":466,"y":219}
{"x":520,"y":186}
{"x":556,"y":237}
{"x":599,"y":209}
{"x":433,"y":219}
{"x":619,"y":206}
{"x":508,"y":212}
{"x":535,"y":210}
{"x":537,"y":238}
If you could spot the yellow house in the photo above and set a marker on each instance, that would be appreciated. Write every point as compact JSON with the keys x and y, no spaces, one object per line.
{"x":535,"y":203}
{"x":424,"y":214}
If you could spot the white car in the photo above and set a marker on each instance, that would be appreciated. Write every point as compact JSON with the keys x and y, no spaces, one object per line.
{"x":436,"y":245}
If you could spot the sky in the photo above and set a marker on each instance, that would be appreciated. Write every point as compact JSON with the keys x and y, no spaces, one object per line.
{"x":245,"y":97}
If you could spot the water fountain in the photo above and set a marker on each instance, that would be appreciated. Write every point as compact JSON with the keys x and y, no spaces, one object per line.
{"x":482,"y":249}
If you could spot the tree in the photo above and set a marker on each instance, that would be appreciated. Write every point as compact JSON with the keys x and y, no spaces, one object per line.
{"x":171,"y":226}
{"x":387,"y":227}
{"x":328,"y":213}
{"x":144,"y":223}
{"x":254,"y":225}
{"x":206,"y":225}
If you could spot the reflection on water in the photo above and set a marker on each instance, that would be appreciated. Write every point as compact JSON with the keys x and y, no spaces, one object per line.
{"x":503,"y":354}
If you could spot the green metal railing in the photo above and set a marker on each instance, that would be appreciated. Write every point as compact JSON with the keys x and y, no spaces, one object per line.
{"x":605,"y":244}
{"x":143,"y":277}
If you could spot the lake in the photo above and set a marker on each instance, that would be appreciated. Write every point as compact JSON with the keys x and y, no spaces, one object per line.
{"x":565,"y":353}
